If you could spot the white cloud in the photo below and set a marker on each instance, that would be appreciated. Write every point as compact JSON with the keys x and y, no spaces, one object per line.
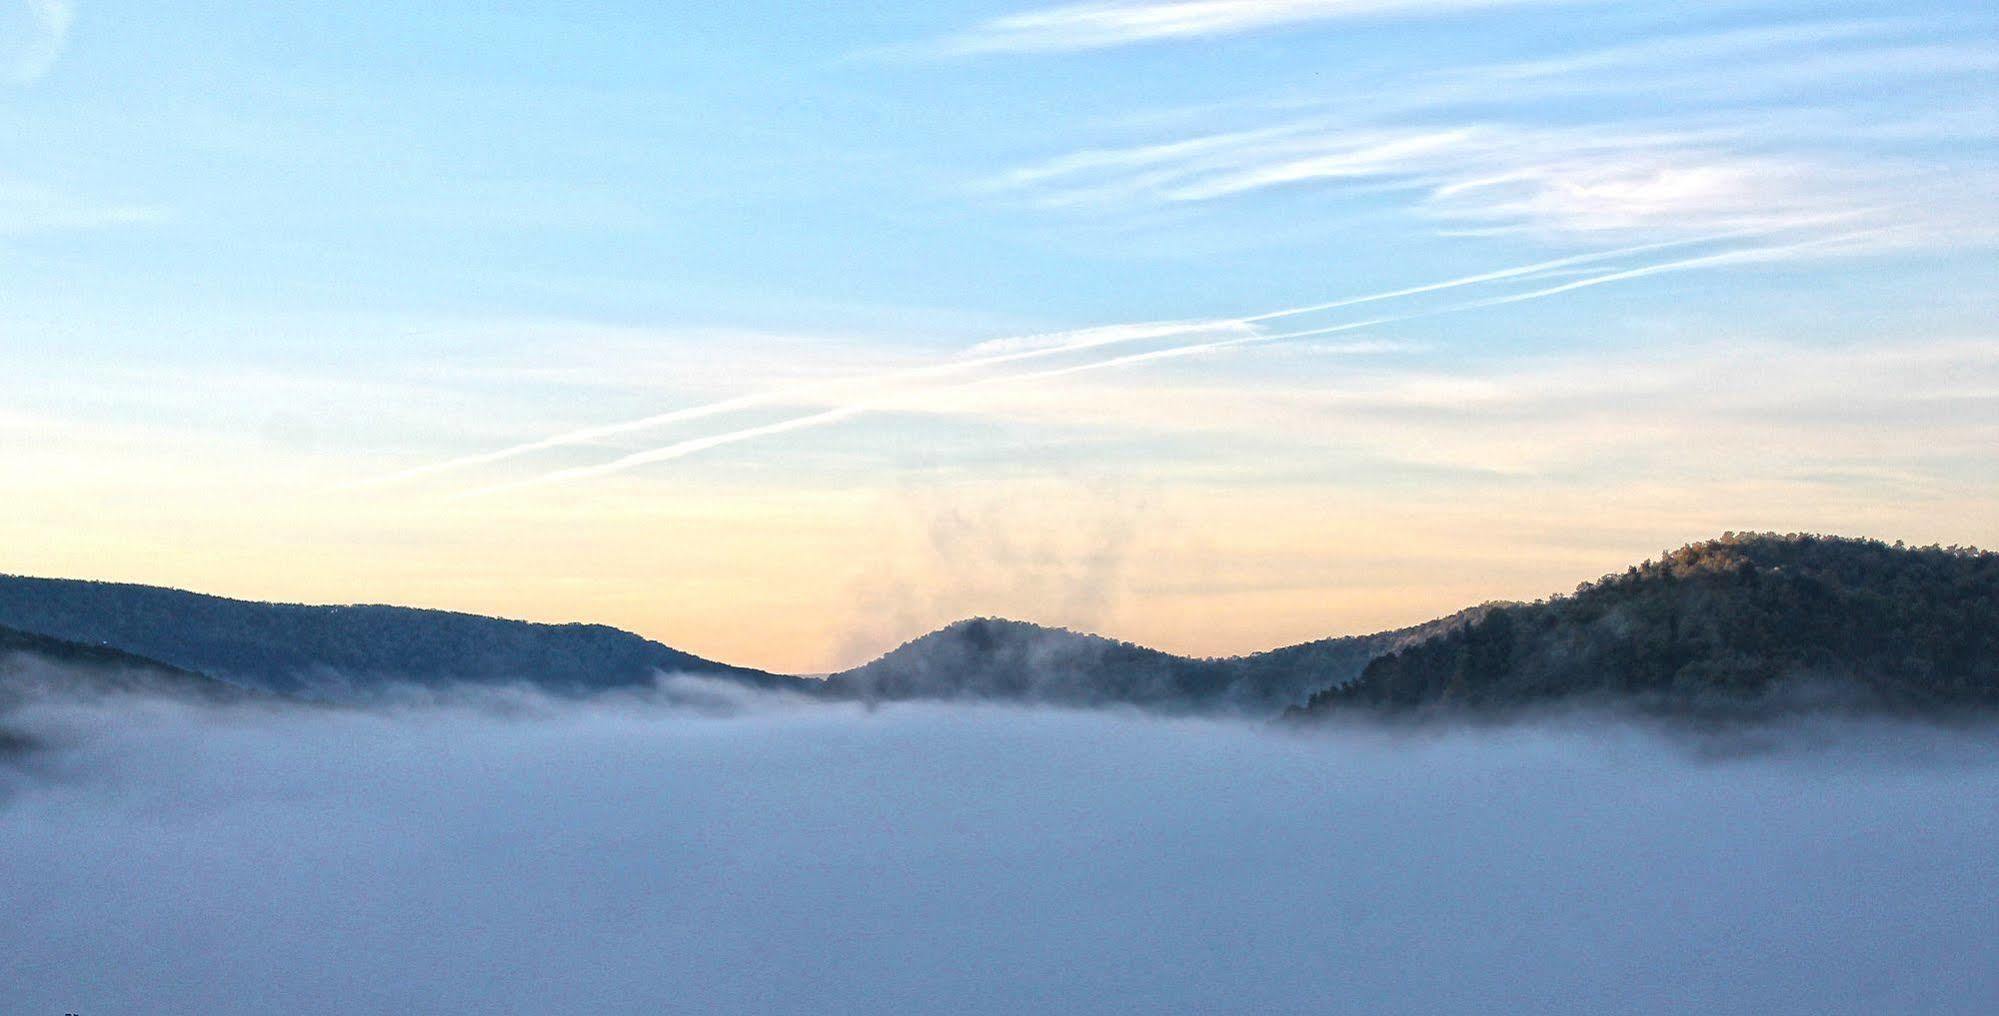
{"x":1386,"y":155}
{"x":1627,"y":181}
{"x":1496,"y":176}
{"x":1658,"y":137}
{"x":1672,"y":191}
{"x":1103,"y":25}
{"x":44,"y":30}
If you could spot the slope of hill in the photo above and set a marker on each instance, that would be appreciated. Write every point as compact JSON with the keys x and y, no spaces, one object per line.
{"x":33,"y":665}
{"x":992,"y":658}
{"x":1001,"y":660}
{"x":1276,"y":679}
{"x":330,"y":651}
{"x":1746,"y":621}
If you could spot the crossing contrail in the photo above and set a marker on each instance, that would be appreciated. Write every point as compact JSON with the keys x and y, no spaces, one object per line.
{"x":1502,"y":274}
{"x":1065,"y":342}
{"x":681,"y":449}
{"x":1682,"y":265}
{"x":1725,"y":257}
{"x":1081,"y":339}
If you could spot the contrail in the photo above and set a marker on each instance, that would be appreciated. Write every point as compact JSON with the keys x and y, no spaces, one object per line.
{"x":1594,"y":280}
{"x":1504,"y":274}
{"x":681,"y":449}
{"x":1725,"y":257}
{"x":1684,"y":264}
{"x":1082,"y":339}
{"x":1090,"y":338}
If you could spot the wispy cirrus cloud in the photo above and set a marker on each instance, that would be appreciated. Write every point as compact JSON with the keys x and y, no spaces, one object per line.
{"x":40,"y":30}
{"x":1572,"y":144}
{"x":1105,"y":25}
{"x":1492,"y":176}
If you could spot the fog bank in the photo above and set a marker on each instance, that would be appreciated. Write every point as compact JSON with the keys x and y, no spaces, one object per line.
{"x":727,"y":855}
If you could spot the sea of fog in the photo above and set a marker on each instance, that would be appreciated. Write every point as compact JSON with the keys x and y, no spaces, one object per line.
{"x":701,"y":854}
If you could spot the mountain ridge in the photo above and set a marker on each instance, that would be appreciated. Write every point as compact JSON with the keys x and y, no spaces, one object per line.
{"x":1000,"y":659}
{"x":1744,"y":624}
{"x":70,"y":668}
{"x":333,"y":649}
{"x":340,"y":650}
{"x":1717,"y":618}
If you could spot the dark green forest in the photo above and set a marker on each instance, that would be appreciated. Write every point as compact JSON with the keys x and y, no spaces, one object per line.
{"x":1756,"y":619}
{"x":32,"y":664}
{"x":291,"y":648}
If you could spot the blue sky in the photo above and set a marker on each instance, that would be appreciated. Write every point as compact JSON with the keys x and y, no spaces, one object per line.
{"x":255,"y":259}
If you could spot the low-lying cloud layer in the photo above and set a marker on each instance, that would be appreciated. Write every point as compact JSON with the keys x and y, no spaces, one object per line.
{"x":710,"y":854}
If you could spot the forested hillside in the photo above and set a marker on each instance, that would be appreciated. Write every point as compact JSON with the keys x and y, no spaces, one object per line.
{"x":334,"y":650}
{"x":1001,"y":660}
{"x":32,"y":665}
{"x":1279,"y":678}
{"x":1745,"y":620}
{"x":993,"y":658}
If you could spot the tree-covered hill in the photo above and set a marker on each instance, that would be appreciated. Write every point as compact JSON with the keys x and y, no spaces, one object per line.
{"x":331,"y":651}
{"x":1001,"y":660}
{"x":997,"y":659}
{"x":1276,"y":679}
{"x":1750,"y":620}
{"x":33,"y":665}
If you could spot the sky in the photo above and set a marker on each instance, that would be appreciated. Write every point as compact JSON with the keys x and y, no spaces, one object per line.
{"x":784,"y":333}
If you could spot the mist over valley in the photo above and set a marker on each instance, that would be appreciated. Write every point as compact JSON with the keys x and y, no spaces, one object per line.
{"x":705,"y":849}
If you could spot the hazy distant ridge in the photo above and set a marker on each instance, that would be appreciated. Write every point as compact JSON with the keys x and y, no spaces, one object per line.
{"x":32,"y":665}
{"x":1002,"y":660}
{"x":294,"y":648}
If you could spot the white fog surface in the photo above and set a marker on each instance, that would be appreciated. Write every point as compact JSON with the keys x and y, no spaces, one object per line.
{"x":635,"y":857}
